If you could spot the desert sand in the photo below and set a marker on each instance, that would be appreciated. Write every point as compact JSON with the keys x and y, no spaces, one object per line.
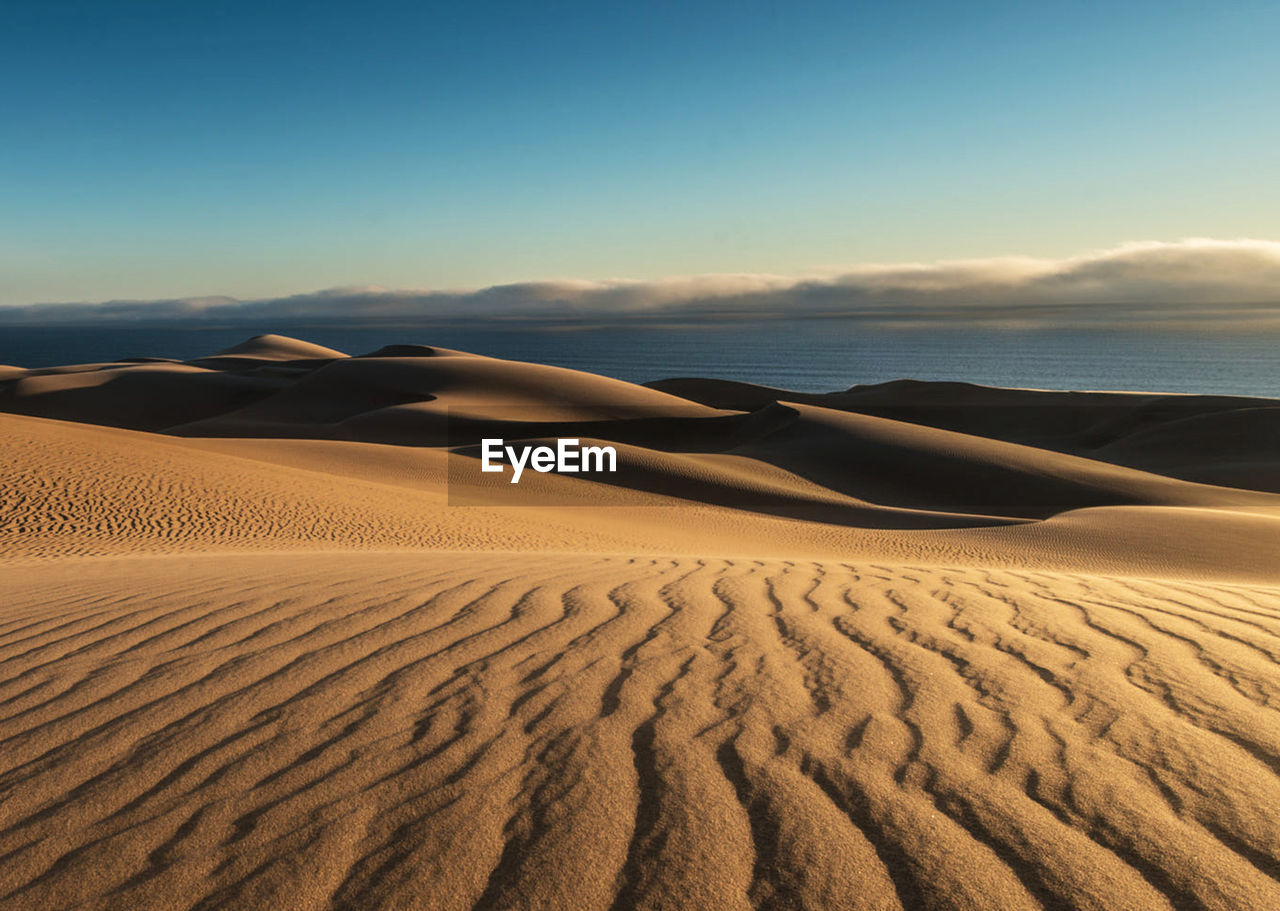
{"x":268,"y":640}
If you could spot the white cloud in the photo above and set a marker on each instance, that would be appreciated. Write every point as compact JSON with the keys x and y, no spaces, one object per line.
{"x":1195,"y":280}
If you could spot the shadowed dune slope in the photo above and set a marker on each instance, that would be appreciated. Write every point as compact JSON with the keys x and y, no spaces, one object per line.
{"x":1235,"y":448}
{"x":1186,"y":435}
{"x":152,"y":396}
{"x":925,"y":467}
{"x":476,"y":731}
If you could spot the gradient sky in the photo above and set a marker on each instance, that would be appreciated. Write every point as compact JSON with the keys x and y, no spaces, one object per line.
{"x":166,"y":149}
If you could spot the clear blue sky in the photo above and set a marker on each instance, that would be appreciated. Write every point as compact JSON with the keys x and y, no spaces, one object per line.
{"x":154,"y":149}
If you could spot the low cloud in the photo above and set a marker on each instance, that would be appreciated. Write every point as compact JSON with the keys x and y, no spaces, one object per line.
{"x":1195,"y":281}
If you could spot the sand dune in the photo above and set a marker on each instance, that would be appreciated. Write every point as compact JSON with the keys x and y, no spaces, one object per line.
{"x":1185,"y":434}
{"x":270,"y":640}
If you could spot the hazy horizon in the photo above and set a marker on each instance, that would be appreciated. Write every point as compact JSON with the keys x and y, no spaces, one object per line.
{"x":1201,"y":282}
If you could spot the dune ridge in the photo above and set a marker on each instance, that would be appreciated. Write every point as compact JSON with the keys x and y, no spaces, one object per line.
{"x":912,"y":646}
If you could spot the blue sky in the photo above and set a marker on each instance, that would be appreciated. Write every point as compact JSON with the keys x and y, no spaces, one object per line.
{"x":176,"y":149}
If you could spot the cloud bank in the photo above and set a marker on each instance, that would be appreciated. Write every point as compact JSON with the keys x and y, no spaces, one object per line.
{"x":1196,"y":282}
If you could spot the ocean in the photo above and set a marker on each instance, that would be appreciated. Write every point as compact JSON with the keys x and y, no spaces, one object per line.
{"x":803,"y":355}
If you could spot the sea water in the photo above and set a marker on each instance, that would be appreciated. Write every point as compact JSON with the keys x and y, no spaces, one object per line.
{"x":803,"y":355}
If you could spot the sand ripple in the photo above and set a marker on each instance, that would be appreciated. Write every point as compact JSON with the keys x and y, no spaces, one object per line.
{"x":462,"y":731}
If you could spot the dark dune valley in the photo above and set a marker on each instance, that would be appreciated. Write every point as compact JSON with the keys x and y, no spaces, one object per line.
{"x":270,"y":639}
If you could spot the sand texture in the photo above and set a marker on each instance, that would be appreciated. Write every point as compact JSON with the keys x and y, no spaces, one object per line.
{"x":268,"y":640}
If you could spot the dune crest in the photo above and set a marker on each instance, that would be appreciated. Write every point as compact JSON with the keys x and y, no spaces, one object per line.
{"x":279,"y":348}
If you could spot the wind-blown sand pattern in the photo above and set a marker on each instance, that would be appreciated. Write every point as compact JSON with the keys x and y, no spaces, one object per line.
{"x":845,"y":660}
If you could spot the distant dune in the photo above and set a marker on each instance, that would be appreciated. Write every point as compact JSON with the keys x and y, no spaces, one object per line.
{"x":269,"y":639}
